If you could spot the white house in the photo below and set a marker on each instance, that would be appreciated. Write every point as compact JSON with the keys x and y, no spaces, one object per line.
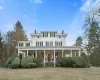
{"x":49,"y":44}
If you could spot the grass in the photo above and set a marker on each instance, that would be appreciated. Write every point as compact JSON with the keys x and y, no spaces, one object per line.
{"x":50,"y":74}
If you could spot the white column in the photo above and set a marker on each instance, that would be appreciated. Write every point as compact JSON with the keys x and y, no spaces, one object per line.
{"x":71,"y":52}
{"x":18,"y":52}
{"x":24,"y":54}
{"x":44,"y":58}
{"x":79,"y":52}
{"x":35,"y":53}
{"x":54,"y":58}
{"x":24,"y":44}
{"x":62,"y":53}
{"x":27,"y":52}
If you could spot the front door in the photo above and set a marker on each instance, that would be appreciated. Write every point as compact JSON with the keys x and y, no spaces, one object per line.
{"x":49,"y":57}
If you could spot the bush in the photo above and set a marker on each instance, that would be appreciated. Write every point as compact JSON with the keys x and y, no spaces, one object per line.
{"x":25,"y":60}
{"x":66,"y":62}
{"x":31,"y":65}
{"x":8,"y":61}
{"x":58,"y":61}
{"x":79,"y":62}
{"x":16,"y":63}
{"x":39,"y":60}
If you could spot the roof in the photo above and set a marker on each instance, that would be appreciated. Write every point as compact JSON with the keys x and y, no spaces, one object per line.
{"x":48,"y":31}
{"x":51,"y":47}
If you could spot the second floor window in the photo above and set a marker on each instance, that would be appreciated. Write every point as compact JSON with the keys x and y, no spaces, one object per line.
{"x":21,"y":44}
{"x":39,"y":43}
{"x":27,"y":44}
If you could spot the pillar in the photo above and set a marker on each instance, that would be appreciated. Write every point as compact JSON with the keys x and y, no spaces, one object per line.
{"x":54,"y":58}
{"x":62,"y":53}
{"x":35,"y":53}
{"x":24,"y":54}
{"x":27,"y":52}
{"x":44,"y":58}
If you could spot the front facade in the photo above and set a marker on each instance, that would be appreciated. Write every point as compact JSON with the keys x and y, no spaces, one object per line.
{"x":48,"y":44}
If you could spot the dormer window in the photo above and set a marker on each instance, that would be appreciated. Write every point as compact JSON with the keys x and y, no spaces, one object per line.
{"x":38,"y":36}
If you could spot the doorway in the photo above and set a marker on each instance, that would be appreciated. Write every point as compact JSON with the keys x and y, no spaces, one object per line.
{"x":49,"y":57}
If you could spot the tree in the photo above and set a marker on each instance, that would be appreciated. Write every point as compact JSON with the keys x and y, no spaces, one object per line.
{"x":92,"y":33}
{"x":79,"y":41}
{"x":0,"y":46}
{"x":19,"y":34}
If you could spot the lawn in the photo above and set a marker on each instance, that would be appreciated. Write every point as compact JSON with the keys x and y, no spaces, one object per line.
{"x":50,"y":74}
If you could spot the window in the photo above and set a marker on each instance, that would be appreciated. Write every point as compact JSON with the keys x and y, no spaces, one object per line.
{"x":46,"y":43}
{"x":61,"y":43}
{"x":50,"y":34}
{"x":47,"y":34}
{"x":38,"y":36}
{"x":51,"y":43}
{"x":54,"y":34}
{"x":57,"y":43}
{"x":21,"y":44}
{"x":42,"y":43}
{"x":38,"y":43}
{"x":43,"y":34}
{"x":27,"y":44}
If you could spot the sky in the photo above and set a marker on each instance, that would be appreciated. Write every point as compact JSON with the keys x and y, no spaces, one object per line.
{"x":50,"y":15}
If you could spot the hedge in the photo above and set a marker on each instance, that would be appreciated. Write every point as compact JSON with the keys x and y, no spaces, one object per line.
{"x":25,"y":60}
{"x":16,"y":63}
{"x":79,"y":62}
{"x":67,"y":62}
{"x":31,"y":65}
{"x":9,"y":61}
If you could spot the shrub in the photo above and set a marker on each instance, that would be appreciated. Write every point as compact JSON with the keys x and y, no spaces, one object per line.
{"x":25,"y":60}
{"x":8,"y":61}
{"x":39,"y":60}
{"x":79,"y":62}
{"x":66,"y":62}
{"x":34,"y":60}
{"x":31,"y":65}
{"x":58,"y":61}
{"x":15,"y":63}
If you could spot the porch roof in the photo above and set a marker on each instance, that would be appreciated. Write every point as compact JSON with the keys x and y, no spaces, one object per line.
{"x":50,"y":48}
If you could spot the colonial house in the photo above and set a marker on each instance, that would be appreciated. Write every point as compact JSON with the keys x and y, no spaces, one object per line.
{"x":49,"y":44}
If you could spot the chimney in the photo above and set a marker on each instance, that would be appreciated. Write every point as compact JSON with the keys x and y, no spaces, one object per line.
{"x":62,"y":31}
{"x":35,"y":31}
